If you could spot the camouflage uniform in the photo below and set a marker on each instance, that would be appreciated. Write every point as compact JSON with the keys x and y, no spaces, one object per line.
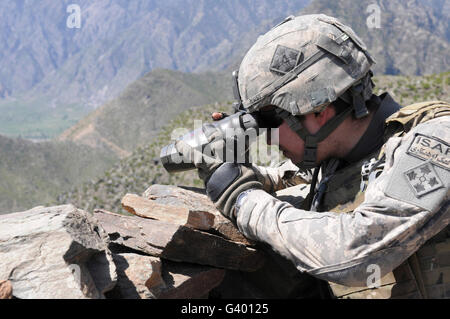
{"x":353,"y":226}
{"x":368,"y":213}
{"x":383,"y":224}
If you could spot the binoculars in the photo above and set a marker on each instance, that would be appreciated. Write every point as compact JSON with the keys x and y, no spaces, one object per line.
{"x":239,"y":122}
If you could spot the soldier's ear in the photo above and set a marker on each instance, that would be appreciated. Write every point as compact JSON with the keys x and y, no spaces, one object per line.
{"x":325,"y":115}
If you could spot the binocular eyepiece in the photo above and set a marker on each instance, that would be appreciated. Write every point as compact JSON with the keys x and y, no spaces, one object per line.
{"x":239,"y":122}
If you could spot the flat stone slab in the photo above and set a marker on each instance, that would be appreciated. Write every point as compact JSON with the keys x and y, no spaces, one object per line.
{"x":55,"y":253}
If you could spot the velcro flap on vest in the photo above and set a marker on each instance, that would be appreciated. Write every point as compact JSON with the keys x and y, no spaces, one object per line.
{"x":414,"y":111}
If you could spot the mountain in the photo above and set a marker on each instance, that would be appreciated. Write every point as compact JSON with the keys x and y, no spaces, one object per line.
{"x":135,"y":117}
{"x":34,"y":174}
{"x":48,"y":69}
{"x":142,"y":168}
{"x":51,"y":76}
{"x":413,"y":37}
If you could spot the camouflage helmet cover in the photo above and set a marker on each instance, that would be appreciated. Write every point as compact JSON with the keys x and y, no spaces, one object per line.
{"x":304,"y":64}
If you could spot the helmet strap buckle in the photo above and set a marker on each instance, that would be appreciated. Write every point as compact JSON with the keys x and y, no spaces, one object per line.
{"x":309,"y":157}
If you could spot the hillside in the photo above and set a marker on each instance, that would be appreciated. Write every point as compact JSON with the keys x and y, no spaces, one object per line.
{"x":47,"y":67}
{"x":136,"y":116}
{"x":142,"y":169}
{"x":52,"y":76}
{"x":35,"y":173}
{"x":411,"y":89}
{"x":413,"y":37}
{"x":32,"y":174}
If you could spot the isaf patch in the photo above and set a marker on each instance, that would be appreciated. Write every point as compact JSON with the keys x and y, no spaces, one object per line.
{"x":432,"y":149}
{"x":416,"y":177}
{"x":423,"y":179}
{"x":285,"y":59}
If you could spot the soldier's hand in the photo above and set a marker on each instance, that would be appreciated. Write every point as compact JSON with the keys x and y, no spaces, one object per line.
{"x":227,"y":182}
{"x":217,"y":116}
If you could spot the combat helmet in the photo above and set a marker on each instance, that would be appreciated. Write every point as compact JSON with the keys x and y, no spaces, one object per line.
{"x":301,"y":66}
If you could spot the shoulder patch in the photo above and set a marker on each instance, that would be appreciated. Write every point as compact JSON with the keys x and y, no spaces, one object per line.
{"x":421,"y":172}
{"x":423,"y":179}
{"x":430,"y":149}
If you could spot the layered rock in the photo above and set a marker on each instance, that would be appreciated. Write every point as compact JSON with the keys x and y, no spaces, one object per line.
{"x":57,"y":252}
{"x":168,"y":249}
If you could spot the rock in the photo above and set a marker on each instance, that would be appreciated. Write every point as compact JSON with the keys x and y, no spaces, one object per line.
{"x":143,"y":207}
{"x":5,"y":289}
{"x":177,"y":242}
{"x":278,"y":278}
{"x":56,"y":252}
{"x":135,"y":273}
{"x":195,"y":200}
{"x":186,"y":281}
{"x":192,"y":198}
{"x":103,"y":271}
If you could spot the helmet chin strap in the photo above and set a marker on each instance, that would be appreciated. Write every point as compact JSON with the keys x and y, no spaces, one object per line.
{"x":355,"y":98}
{"x":312,"y":140}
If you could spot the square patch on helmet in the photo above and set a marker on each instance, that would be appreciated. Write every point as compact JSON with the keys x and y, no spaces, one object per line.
{"x":285,"y":59}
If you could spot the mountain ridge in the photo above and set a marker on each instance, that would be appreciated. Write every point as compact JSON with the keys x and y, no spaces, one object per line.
{"x":136,"y":115}
{"x":52,"y":76}
{"x":118,"y":42}
{"x":412,"y":38}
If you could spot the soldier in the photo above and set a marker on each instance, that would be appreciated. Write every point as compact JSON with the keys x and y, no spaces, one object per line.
{"x":376,"y":212}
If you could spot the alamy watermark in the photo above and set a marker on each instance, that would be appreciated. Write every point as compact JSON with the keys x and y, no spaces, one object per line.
{"x":373,"y":21}
{"x":74,"y":19}
{"x":374,"y":279}
{"x":230,"y":145}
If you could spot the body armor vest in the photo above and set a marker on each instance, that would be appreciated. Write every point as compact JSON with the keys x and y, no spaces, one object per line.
{"x":426,"y":274}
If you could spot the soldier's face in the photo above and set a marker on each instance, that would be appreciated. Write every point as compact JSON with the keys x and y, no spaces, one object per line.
{"x":290,"y":142}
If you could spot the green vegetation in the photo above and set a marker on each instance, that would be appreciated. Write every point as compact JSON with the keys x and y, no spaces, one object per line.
{"x":33,"y":174}
{"x":137,"y":172}
{"x":36,"y":119}
{"x":411,"y":89}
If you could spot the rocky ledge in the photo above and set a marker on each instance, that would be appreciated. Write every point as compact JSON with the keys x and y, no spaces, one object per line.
{"x":173,"y":244}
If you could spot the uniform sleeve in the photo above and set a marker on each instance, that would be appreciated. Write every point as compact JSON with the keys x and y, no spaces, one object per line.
{"x":286,"y":174}
{"x":400,"y":213}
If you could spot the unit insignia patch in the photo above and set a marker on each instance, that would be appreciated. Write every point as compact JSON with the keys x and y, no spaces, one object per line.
{"x":423,"y":179}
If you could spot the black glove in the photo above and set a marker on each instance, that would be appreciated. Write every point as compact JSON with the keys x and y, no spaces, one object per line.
{"x":227,"y":182}
{"x":223,"y":181}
